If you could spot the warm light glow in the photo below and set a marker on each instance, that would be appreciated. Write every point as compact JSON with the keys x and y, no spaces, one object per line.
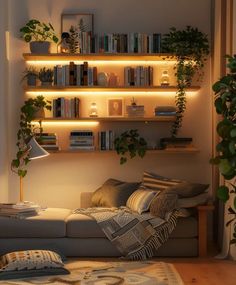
{"x":68,"y":123}
{"x":7,"y":37}
{"x":102,"y":62}
{"x":108,"y":93}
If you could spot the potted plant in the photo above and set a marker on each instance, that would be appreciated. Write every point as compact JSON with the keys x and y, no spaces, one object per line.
{"x":26,"y":131}
{"x":190,"y":48}
{"x":31,"y":75}
{"x":225,"y":104}
{"x":39,"y":35}
{"x":46,"y":76}
{"x":130,"y":143}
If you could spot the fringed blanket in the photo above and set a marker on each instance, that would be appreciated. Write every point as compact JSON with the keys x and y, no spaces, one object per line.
{"x":135,"y":236}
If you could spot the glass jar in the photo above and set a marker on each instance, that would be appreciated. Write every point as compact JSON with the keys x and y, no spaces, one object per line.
{"x":63,"y":46}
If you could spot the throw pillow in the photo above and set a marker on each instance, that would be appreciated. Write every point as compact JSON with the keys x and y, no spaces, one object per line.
{"x":193,"y":201}
{"x":163,"y":204}
{"x":113,"y":193}
{"x":156,"y":182}
{"x":30,"y":263}
{"x":140,"y":200}
{"x":187,"y":189}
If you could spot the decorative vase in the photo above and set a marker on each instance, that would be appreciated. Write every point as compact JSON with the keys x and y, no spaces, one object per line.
{"x":103,"y":79}
{"x":40,"y":47}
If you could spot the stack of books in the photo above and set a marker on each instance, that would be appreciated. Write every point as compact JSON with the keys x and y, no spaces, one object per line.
{"x":48,"y":141}
{"x":19,"y":211}
{"x":176,"y":143}
{"x":165,"y":111}
{"x":106,"y":140}
{"x":82,"y":140}
{"x":135,"y":110}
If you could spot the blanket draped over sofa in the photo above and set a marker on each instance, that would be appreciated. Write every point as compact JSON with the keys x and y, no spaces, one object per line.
{"x":135,"y":236}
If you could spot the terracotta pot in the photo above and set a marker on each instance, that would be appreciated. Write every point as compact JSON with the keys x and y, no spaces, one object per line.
{"x":40,"y":47}
{"x":40,"y":113}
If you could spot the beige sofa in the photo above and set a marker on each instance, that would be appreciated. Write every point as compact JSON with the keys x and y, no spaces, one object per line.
{"x":79,"y":235}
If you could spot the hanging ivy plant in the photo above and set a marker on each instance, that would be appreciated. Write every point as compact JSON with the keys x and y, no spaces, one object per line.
{"x":225,"y":104}
{"x":190,"y":48}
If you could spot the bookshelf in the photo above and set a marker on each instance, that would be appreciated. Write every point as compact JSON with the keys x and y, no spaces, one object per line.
{"x":94,"y":92}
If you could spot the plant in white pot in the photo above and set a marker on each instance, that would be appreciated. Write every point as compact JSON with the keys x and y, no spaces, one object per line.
{"x":39,"y":35}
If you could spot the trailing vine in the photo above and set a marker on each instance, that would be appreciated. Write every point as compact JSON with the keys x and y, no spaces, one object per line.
{"x":190,"y":48}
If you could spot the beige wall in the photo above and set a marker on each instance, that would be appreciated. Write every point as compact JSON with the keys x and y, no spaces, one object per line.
{"x":58,"y":179}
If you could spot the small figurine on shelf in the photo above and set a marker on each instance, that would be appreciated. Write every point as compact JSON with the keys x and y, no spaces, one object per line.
{"x":63,"y":46}
{"x":165,"y":79}
{"x":93,"y":110}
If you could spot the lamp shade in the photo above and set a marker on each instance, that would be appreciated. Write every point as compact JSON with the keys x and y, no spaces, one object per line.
{"x":35,"y":150}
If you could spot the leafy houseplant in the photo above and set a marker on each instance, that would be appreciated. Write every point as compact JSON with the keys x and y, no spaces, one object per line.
{"x":39,"y":35}
{"x":46,"y":76}
{"x":31,"y":75}
{"x":26,"y":131}
{"x":190,"y":48}
{"x":130,"y":143}
{"x":225,"y":104}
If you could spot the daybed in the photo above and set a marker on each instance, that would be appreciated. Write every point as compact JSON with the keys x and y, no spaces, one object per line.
{"x":79,"y":235}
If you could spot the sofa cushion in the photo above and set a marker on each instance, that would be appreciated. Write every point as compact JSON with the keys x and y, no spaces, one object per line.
{"x":82,"y":226}
{"x":79,"y":225}
{"x":49,"y":223}
{"x":113,"y":193}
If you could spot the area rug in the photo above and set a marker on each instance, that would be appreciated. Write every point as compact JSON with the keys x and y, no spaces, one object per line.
{"x":110,"y":273}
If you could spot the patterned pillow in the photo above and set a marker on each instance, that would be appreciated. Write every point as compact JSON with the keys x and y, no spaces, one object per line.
{"x":140,"y":200}
{"x":30,"y":263}
{"x":163,"y":204}
{"x":156,"y":182}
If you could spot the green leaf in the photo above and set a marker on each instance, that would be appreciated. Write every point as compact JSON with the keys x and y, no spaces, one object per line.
{"x":223,"y":193}
{"x":225,"y":166}
{"x":233,"y":132}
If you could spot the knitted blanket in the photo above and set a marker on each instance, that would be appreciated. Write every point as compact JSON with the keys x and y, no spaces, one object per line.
{"x":135,"y":236}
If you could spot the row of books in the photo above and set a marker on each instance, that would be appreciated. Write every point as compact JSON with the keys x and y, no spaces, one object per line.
{"x":138,"y":76}
{"x":82,"y":140}
{"x":48,"y":141}
{"x":119,"y":43}
{"x":66,"y":108}
{"x":106,"y":140}
{"x":75,"y":75}
{"x":19,"y":210}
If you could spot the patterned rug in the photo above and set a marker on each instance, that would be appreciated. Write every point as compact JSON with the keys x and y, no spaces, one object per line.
{"x":110,"y":273}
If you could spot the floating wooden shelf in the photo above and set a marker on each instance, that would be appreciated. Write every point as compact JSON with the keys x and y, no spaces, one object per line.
{"x":77,"y":89}
{"x":111,"y":119}
{"x":99,"y":56}
{"x":191,"y":150}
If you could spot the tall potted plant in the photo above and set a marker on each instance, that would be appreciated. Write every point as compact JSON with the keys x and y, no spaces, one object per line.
{"x":39,"y":35}
{"x":225,"y":105}
{"x":26,"y":132}
{"x":190,"y":48}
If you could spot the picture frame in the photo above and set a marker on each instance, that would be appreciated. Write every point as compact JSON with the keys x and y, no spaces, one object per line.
{"x":73,"y":19}
{"x":115,"y":107}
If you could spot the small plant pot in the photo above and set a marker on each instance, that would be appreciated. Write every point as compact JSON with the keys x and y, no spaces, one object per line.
{"x":31,"y":80}
{"x":40,"y":47}
{"x":39,"y":114}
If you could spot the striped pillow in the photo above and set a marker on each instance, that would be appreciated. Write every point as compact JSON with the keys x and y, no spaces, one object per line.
{"x":140,"y":200}
{"x":158,"y":183}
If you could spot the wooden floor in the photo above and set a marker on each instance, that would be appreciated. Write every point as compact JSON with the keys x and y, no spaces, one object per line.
{"x":205,"y":271}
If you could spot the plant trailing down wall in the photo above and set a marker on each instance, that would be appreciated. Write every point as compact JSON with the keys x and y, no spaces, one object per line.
{"x":190,"y":47}
{"x":26,"y":131}
{"x":130,"y":143}
{"x":225,"y":104}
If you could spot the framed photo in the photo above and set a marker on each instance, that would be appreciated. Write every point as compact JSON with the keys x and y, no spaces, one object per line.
{"x":115,"y":107}
{"x":77,"y":20}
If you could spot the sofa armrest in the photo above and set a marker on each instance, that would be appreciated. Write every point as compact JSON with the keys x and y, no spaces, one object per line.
{"x":202,"y":228}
